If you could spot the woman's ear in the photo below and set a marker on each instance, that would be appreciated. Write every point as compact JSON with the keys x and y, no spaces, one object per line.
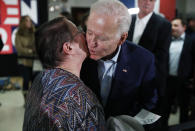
{"x":123,"y":38}
{"x":67,"y":48}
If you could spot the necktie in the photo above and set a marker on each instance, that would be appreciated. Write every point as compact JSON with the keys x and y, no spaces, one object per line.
{"x":106,"y":83}
{"x":177,"y":39}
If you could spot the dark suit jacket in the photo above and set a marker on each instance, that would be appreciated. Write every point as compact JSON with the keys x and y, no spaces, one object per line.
{"x":156,"y":38}
{"x":193,"y":56}
{"x":131,"y":87}
{"x":185,"y":68}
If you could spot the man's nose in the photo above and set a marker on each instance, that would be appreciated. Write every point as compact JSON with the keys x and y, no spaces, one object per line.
{"x":173,"y":28}
{"x":92,"y":44}
{"x":93,"y":41}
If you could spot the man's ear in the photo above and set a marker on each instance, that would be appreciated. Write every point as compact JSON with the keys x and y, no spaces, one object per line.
{"x":67,"y":48}
{"x":123,"y":38}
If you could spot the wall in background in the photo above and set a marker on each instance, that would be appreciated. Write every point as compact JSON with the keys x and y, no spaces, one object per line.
{"x":180,"y":6}
{"x":190,"y":8}
{"x":56,"y":6}
{"x":167,"y":7}
{"x":185,"y":8}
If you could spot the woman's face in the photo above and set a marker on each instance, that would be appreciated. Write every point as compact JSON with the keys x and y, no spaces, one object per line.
{"x":28,"y":22}
{"x":79,"y":41}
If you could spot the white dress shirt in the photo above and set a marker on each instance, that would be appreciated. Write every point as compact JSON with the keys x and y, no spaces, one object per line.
{"x":175,"y":54}
{"x":140,"y":25}
{"x":106,"y":71}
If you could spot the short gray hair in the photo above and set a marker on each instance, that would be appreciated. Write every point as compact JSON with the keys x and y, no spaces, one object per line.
{"x":115,"y":9}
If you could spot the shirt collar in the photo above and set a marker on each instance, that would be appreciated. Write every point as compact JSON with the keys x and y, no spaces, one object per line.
{"x":146,"y":18}
{"x":182,"y":37}
{"x":114,"y":59}
{"x":116,"y":56}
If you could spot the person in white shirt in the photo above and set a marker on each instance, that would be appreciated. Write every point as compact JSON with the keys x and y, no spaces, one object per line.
{"x":180,"y":69}
{"x":153,"y":32}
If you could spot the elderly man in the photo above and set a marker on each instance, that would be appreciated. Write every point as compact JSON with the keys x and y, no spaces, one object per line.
{"x":153,"y":32}
{"x":119,"y":72}
{"x":58,"y":99}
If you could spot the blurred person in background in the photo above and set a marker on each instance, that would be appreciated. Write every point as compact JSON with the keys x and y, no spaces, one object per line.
{"x":180,"y":70}
{"x":58,"y":100}
{"x":191,"y":26}
{"x":25,"y":47}
{"x":153,"y":32}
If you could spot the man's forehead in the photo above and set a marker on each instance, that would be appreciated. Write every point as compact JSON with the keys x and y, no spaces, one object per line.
{"x":96,"y":19}
{"x":95,"y":15}
{"x":100,"y":23}
{"x":101,"y":20}
{"x":176,"y":21}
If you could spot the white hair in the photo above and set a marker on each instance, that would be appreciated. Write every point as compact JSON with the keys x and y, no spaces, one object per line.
{"x":115,"y":9}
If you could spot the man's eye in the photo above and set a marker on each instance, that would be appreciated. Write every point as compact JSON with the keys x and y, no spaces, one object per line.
{"x":102,"y":39}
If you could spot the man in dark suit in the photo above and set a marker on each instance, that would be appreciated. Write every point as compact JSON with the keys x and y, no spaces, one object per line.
{"x":153,"y":32}
{"x":180,"y":69}
{"x":119,"y":72}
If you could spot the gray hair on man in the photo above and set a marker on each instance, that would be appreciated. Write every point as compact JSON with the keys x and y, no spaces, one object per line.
{"x":116,"y":9}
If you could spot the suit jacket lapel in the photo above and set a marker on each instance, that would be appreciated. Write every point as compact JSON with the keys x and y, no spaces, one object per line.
{"x":91,"y":75}
{"x":132,"y":27}
{"x":147,"y":31}
{"x":185,"y":45}
{"x":96,"y":78}
{"x":120,"y":72}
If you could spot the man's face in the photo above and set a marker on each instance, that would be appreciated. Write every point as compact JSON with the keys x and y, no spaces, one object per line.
{"x":101,"y":36}
{"x":146,"y":6}
{"x":177,"y":28}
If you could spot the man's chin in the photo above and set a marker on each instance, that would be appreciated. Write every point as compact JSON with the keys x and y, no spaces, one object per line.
{"x":93,"y":57}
